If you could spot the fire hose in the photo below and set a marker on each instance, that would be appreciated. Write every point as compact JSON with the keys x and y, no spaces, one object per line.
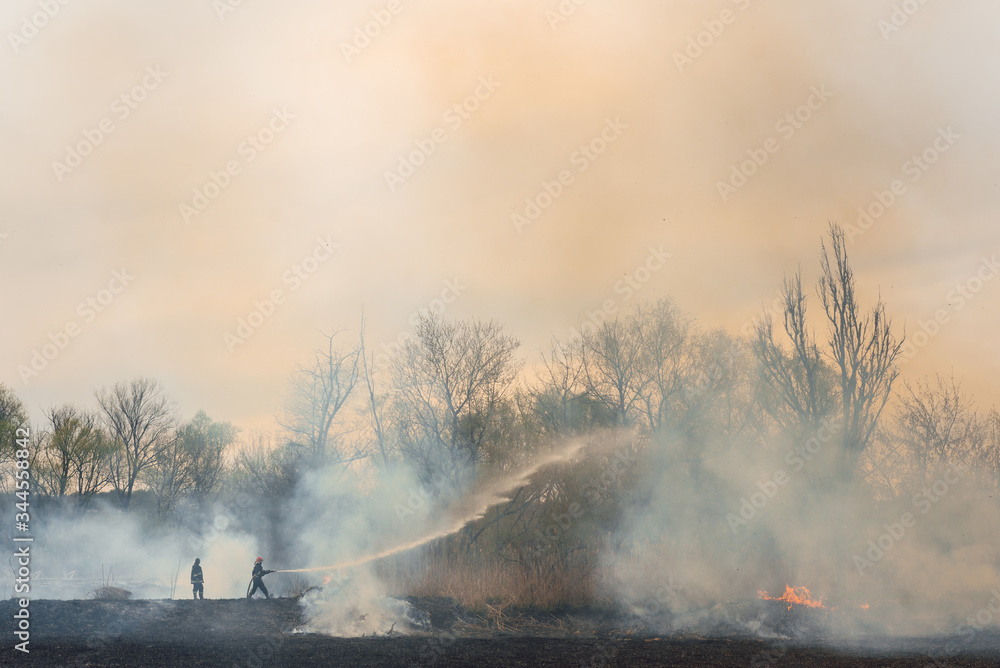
{"x":250,"y":584}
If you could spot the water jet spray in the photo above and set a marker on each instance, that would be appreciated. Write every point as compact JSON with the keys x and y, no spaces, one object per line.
{"x":494,"y":494}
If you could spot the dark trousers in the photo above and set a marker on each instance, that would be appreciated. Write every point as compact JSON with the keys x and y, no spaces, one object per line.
{"x":199,"y":590}
{"x":258,"y":583}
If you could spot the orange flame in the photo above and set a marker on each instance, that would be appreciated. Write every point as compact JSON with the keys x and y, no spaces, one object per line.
{"x":864,"y":606}
{"x":794,"y":596}
{"x":327,"y":579}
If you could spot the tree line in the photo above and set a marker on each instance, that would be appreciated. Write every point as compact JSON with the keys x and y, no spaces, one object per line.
{"x":456,"y":400}
{"x":132,"y":441}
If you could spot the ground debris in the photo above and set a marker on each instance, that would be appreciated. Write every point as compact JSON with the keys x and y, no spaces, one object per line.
{"x":110,"y":593}
{"x":155,"y":633}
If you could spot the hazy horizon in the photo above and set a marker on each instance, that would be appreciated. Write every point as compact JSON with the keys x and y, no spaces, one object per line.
{"x":301,"y":126}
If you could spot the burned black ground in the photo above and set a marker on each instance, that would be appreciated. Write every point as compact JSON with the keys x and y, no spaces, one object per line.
{"x":266,"y":633}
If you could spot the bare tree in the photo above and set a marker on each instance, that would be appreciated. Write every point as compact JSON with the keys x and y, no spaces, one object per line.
{"x":376,"y":409}
{"x":191,"y":460}
{"x":933,"y":425}
{"x":862,"y":347}
{"x":987,"y":460}
{"x":886,"y":465}
{"x":138,"y":417}
{"x":798,"y":378}
{"x":724,"y":403}
{"x":863,"y":352}
{"x":319,"y":390}
{"x":665,"y":363}
{"x":560,"y":403}
{"x":449,"y":383}
{"x":264,"y":468}
{"x":937,"y":425}
{"x":612,"y":357}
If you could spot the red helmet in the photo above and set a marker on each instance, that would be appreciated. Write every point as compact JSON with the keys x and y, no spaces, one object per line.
{"x":258,"y":559}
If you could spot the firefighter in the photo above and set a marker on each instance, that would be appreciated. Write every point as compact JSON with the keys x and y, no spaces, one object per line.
{"x":198,"y":580}
{"x":257,"y":578}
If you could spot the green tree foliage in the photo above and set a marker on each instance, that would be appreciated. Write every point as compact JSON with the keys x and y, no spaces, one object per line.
{"x":75,"y":455}
{"x":191,"y":461}
{"x":12,"y":417}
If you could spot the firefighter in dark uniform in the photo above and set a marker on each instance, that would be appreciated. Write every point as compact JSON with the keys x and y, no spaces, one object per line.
{"x":258,"y":578}
{"x":198,"y":580}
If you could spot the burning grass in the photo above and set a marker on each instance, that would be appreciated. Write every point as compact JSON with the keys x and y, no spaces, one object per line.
{"x":795,"y":596}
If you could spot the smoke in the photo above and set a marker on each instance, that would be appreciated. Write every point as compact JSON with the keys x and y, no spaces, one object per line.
{"x":691,"y":546}
{"x":75,"y":554}
{"x":709,"y":539}
{"x":350,"y":522}
{"x":695,"y":93}
{"x":471,"y":508}
{"x":687,"y":127}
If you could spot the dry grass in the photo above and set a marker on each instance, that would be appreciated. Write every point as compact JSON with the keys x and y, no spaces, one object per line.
{"x":299,"y":588}
{"x":491,"y":585}
{"x":110,"y":593}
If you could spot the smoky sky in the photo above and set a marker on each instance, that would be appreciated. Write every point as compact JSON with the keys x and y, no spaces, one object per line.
{"x":385,"y":157}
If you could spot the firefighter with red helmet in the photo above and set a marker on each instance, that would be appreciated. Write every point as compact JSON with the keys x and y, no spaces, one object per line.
{"x":257,"y":578}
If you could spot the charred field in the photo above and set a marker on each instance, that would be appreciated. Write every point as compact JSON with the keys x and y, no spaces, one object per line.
{"x":237,"y":632}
